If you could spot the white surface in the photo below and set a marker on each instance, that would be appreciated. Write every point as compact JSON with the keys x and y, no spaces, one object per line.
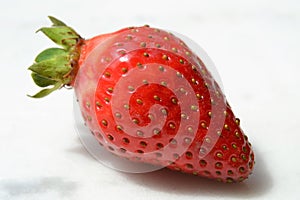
{"x":255,"y":46}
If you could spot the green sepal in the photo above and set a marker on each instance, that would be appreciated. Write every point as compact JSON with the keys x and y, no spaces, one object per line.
{"x":50,"y":54}
{"x":47,"y":91}
{"x":56,"y":22}
{"x":61,"y":35}
{"x":41,"y":80}
{"x":53,"y":66}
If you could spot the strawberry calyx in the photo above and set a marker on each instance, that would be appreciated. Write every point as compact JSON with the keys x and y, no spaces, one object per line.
{"x":55,"y":68}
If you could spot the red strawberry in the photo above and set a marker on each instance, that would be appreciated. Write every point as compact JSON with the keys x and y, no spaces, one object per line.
{"x":147,"y":97}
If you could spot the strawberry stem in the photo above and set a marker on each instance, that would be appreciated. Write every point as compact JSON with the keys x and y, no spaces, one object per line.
{"x":56,"y":67}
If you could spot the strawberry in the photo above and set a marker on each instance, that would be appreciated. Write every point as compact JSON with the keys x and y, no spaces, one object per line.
{"x":146,"y":96}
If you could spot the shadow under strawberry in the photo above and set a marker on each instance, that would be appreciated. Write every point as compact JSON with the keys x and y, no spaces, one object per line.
{"x":171,"y":182}
{"x":167,"y":181}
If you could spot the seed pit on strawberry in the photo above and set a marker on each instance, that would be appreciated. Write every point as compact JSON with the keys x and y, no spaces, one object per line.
{"x":143,"y":143}
{"x":207,"y":140}
{"x":146,"y":89}
{"x":104,"y":122}
{"x":202,"y":163}
{"x":111,"y":148}
{"x":173,"y":142}
{"x":202,"y":151}
{"x":194,"y":108}
{"x":107,"y":74}
{"x":218,"y":173}
{"x":110,"y":137}
{"x":190,"y":129}
{"x":244,"y":157}
{"x":118,"y":115}
{"x":234,"y":146}
{"x":145,"y":54}
{"x":183,"y":116}
{"x":107,"y":100}
{"x":139,"y":101}
{"x":140,"y":151}
{"x":98,"y":135}
{"x":110,"y":90}
{"x":124,"y":70}
{"x":229,"y":180}
{"x":165,"y":57}
{"x":135,"y":120}
{"x":131,"y":88}
{"x":122,"y":52}
{"x":158,"y":155}
{"x":145,"y":82}
{"x":150,"y":116}
{"x":126,"y":140}
{"x":242,"y":170}
{"x":126,"y":106}
{"x":189,"y":166}
{"x":176,"y":156}
{"x":230,"y":172}
{"x":206,"y":173}
{"x":203,"y":125}
{"x":119,"y":128}
{"x":189,"y":155}
{"x":194,"y":81}
{"x":161,"y":68}
{"x":88,"y":105}
{"x":174,"y":100}
{"x":155,"y":97}
{"x":187,"y":141}
{"x":156,"y":132}
{"x":159,"y":145}
{"x":237,"y":134}
{"x":122,"y":150}
{"x":164,"y":111}
{"x":128,"y":37}
{"x":89,"y":118}
{"x":200,"y":97}
{"x":140,"y":133}
{"x":164,"y":83}
{"x":140,"y":65}
{"x":172,"y":125}
{"x":218,"y":165}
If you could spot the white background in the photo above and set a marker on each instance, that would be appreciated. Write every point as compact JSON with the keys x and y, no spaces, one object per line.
{"x":255,"y":46}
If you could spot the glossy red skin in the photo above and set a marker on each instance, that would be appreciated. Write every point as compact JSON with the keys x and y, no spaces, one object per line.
{"x":217,"y":148}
